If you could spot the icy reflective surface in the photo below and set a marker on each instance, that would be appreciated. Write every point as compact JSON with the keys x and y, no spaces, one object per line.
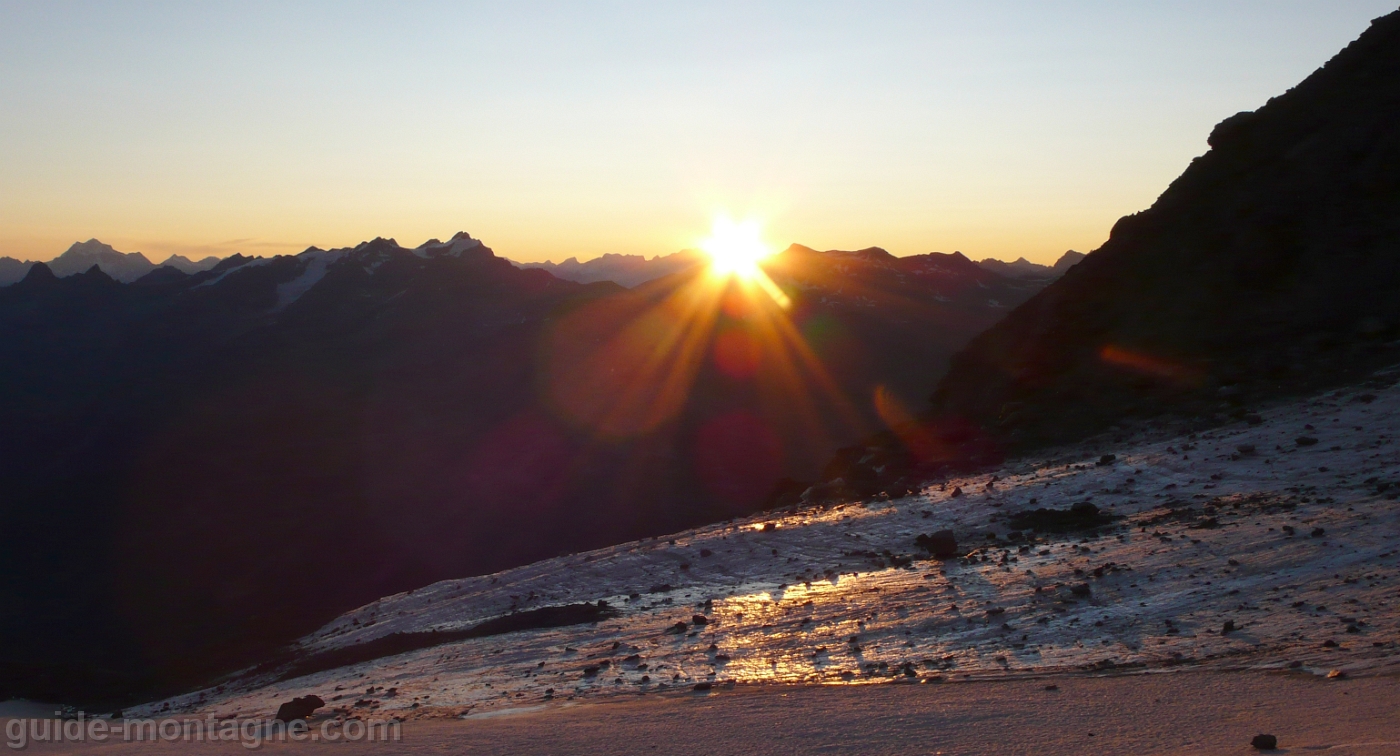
{"x":820,"y":599}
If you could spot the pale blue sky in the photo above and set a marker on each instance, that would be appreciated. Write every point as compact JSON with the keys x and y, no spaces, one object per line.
{"x":560,"y":129}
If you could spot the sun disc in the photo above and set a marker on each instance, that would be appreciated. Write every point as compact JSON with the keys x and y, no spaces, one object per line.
{"x":735,"y":249}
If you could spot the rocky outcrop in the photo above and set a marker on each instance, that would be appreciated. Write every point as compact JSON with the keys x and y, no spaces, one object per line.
{"x":1270,"y":265}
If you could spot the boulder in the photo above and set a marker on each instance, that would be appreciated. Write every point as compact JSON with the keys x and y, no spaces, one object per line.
{"x":298,"y":708}
{"x":941,"y":544}
{"x":1264,"y":742}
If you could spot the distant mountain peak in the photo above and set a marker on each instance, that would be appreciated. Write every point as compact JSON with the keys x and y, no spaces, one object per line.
{"x":622,"y":269}
{"x":80,"y":257}
{"x":1023,"y":268}
{"x":186,"y":265}
{"x":97,"y":247}
{"x":39,"y":273}
{"x":96,"y":274}
{"x":94,"y":244}
{"x":121,"y":266}
{"x":459,"y":243}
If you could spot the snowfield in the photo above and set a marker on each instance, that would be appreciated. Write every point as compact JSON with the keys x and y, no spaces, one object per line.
{"x":1295,"y":543}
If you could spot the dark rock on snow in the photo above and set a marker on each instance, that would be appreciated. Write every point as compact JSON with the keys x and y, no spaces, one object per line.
{"x":1081,"y":516}
{"x":298,"y":708}
{"x":941,"y":544}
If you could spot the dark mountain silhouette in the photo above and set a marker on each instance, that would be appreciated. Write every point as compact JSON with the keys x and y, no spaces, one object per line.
{"x":1271,"y":265}
{"x":121,"y":266}
{"x":200,"y":467}
{"x":186,"y":265}
{"x":627,"y":270}
{"x":1023,"y":268}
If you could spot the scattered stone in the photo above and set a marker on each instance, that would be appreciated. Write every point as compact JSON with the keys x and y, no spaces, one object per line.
{"x":957,"y":491}
{"x":1336,"y":674}
{"x":1318,"y":532}
{"x":700,"y":619}
{"x":703,"y":686}
{"x":1107,"y":459}
{"x":1305,"y":441}
{"x":1228,"y":628}
{"x":1245,"y":448}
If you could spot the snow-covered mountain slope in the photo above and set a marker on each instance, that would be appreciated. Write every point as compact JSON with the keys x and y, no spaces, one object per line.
{"x":1294,"y":542}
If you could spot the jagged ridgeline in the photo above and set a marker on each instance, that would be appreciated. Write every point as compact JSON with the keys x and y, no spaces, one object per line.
{"x":122,"y":266}
{"x":1271,"y":265}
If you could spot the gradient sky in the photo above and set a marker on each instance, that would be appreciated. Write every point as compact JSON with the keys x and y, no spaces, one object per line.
{"x":552,"y":130}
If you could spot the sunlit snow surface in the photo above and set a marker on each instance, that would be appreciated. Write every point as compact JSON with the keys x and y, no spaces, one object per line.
{"x":793,"y":604}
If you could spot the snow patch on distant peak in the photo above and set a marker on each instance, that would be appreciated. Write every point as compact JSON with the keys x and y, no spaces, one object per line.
{"x":313,"y":270}
{"x":252,"y":263}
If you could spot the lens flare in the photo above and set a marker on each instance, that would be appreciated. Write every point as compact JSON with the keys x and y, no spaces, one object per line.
{"x":637,"y":366}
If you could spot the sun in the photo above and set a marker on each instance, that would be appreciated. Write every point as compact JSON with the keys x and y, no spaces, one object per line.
{"x":735,"y":249}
